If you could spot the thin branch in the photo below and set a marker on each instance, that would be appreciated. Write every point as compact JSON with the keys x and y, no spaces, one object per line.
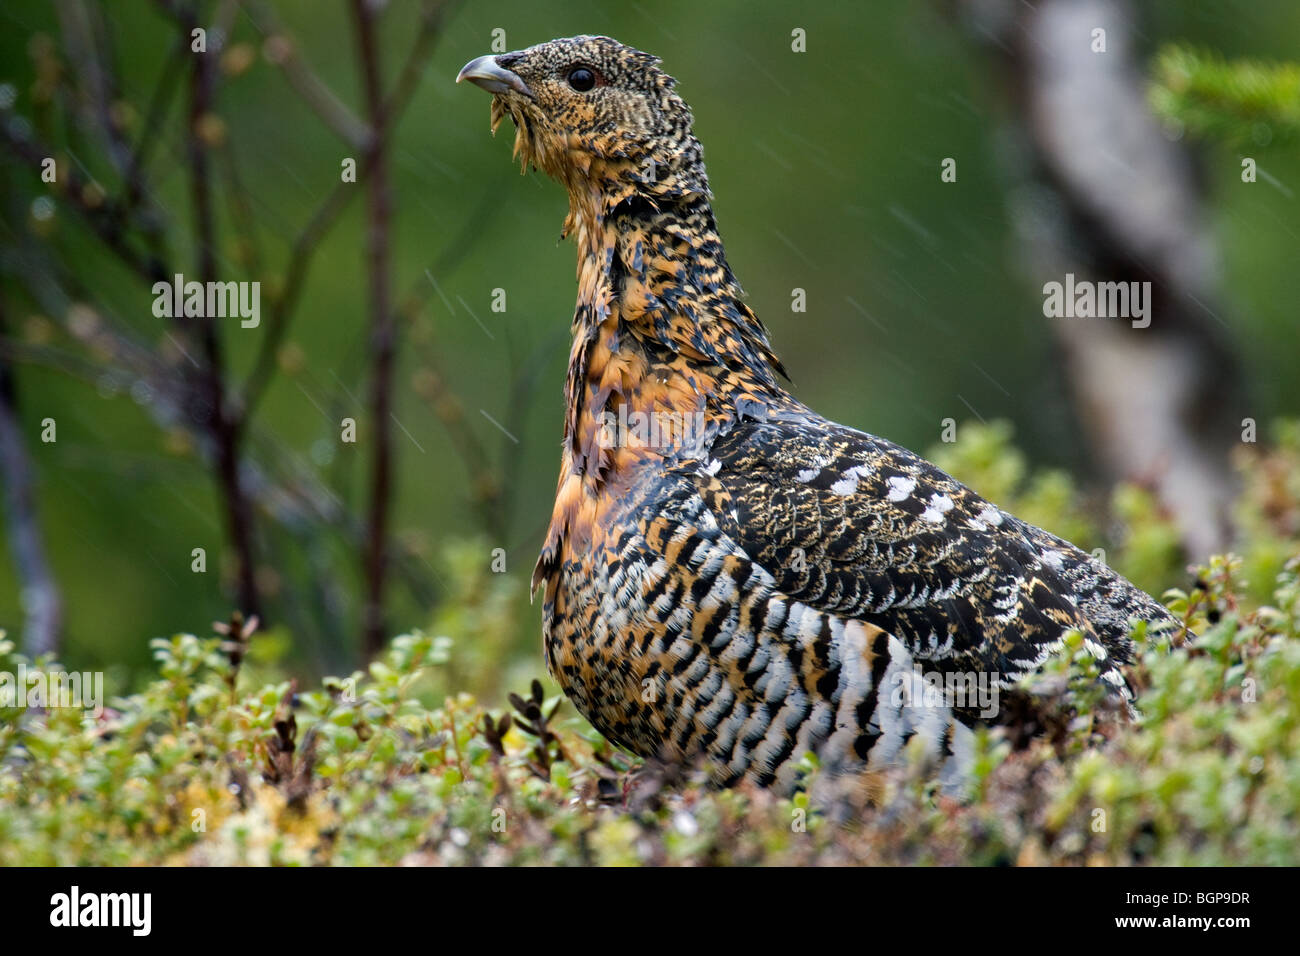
{"x":284,"y":54}
{"x":224,"y":428}
{"x":159,"y":103}
{"x":103,"y":218}
{"x":241,"y":211}
{"x":307,"y":242}
{"x":383,"y":332}
{"x":300,"y":258}
{"x":432,"y":15}
{"x":484,"y":488}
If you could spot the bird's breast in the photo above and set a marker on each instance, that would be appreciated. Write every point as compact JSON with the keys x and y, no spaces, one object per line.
{"x":674,"y":644}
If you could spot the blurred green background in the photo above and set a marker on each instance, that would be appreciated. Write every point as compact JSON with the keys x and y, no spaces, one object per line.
{"x":825,"y":170}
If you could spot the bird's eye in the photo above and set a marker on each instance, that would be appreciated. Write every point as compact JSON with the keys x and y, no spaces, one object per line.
{"x":582,"y":79}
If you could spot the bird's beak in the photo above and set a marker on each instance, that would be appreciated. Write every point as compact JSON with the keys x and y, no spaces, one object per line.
{"x":487,"y":73}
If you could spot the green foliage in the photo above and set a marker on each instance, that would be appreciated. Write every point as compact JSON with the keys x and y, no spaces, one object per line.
{"x":220,"y":760}
{"x":1238,"y":102}
{"x":485,"y":611}
{"x":1268,"y":511}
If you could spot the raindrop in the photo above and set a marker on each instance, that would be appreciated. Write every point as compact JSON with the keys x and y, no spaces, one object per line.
{"x":20,"y":129}
{"x":141,"y":392}
{"x":322,"y":452}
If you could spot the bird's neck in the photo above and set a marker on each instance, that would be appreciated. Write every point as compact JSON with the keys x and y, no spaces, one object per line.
{"x":661,"y":328}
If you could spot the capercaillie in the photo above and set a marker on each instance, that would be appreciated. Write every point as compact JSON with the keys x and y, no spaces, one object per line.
{"x":727,"y":575}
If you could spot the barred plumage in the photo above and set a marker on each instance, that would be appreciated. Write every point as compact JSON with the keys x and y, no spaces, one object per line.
{"x":759,"y":582}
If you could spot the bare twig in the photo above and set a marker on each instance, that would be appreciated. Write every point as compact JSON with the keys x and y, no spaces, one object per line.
{"x":432,"y":14}
{"x":224,"y":427}
{"x":308,"y":240}
{"x":383,"y":331}
{"x":150,"y":135}
{"x":284,"y":54}
{"x":241,"y":213}
{"x":102,"y":217}
{"x":300,"y":258}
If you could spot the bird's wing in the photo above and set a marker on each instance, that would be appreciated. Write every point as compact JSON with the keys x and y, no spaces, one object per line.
{"x":863,"y":529}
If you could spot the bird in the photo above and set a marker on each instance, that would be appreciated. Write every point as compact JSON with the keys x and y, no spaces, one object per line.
{"x":728,"y":578}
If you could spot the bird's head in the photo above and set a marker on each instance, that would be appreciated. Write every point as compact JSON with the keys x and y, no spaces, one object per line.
{"x":599,"y":117}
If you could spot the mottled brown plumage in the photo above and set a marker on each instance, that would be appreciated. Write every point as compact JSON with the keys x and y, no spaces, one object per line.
{"x":757,"y":581}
